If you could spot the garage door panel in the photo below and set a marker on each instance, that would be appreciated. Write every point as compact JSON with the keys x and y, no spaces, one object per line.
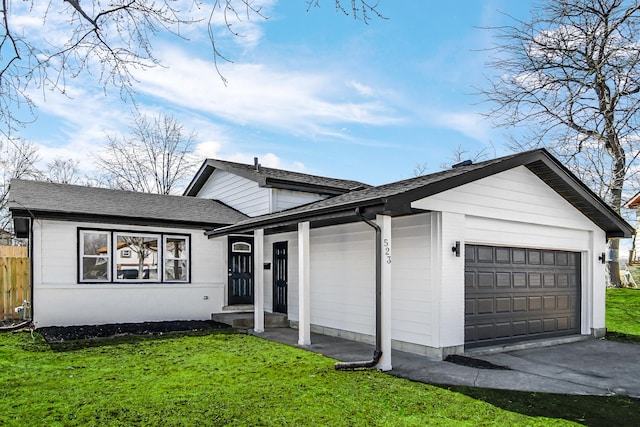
{"x":503,"y":280}
{"x":485,"y":305}
{"x":470,"y":280}
{"x":535,"y":280}
{"x":520,"y":328}
{"x":519,"y":280}
{"x":514,"y":294}
{"x":503,"y":255}
{"x":520,"y":303}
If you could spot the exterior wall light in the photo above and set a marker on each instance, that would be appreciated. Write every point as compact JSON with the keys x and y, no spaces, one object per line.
{"x":456,"y":249}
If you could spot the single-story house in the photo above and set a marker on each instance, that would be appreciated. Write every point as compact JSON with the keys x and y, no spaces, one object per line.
{"x":498,"y":252}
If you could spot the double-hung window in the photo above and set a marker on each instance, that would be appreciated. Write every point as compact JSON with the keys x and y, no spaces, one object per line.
{"x":95,"y":256}
{"x":176,"y":262}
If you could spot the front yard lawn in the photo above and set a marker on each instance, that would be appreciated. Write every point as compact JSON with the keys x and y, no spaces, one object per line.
{"x":233,"y":379}
{"x":623,"y":314}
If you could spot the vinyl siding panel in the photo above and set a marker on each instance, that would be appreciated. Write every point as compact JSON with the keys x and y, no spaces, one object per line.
{"x":508,"y":233}
{"x":238,"y":192}
{"x":411,"y":292}
{"x":286,"y":199}
{"x":60,"y":300}
{"x":343,"y":278}
{"x":514,"y":195}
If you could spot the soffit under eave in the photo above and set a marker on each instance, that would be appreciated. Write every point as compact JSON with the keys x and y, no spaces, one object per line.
{"x":199,"y":179}
{"x":324,"y":218}
{"x":110,"y":219}
{"x":582,"y":198}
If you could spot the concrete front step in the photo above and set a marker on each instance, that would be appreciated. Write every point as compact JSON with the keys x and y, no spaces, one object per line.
{"x":244,"y":320}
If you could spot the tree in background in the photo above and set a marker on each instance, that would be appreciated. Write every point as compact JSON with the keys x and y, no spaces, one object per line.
{"x":571,"y":76}
{"x":108,"y":39}
{"x":63,"y":171}
{"x":154,"y":158}
{"x":18,"y":159}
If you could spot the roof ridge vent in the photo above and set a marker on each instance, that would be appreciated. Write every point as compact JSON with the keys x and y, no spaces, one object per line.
{"x":461,"y":164}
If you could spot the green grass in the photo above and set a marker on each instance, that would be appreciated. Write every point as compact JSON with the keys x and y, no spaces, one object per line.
{"x":623,"y":314}
{"x":219,"y":379}
{"x":227,"y":379}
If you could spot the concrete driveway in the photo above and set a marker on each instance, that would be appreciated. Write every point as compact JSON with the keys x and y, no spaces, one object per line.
{"x":593,"y":367}
{"x":587,"y":367}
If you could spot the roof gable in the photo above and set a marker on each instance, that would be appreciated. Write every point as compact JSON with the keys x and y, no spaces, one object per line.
{"x":273,"y":178}
{"x":396,"y":198}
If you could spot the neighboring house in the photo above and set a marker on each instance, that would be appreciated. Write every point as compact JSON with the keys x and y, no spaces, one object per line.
{"x":634,"y":204}
{"x":5,"y":238}
{"x":498,"y":252}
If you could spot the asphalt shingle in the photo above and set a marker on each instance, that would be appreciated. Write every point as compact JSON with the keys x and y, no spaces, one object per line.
{"x":52,"y":198}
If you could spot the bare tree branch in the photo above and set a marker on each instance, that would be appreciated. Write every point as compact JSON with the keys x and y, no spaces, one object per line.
{"x":154,"y":158}
{"x":18,"y":159}
{"x":572,"y":76}
{"x":109,"y":39}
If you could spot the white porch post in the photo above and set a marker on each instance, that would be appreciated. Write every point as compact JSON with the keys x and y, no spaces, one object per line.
{"x":447,"y":275}
{"x":258,"y":281}
{"x":304,"y":278}
{"x":384,"y":222}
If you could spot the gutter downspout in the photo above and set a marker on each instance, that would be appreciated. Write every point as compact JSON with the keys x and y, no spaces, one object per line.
{"x":377,"y":353}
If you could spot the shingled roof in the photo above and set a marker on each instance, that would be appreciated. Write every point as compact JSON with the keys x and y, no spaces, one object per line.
{"x":37,"y":199}
{"x":274,"y":178}
{"x":395,"y":198}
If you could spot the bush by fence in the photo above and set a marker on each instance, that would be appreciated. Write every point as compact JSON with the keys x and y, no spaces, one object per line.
{"x":14,"y":280}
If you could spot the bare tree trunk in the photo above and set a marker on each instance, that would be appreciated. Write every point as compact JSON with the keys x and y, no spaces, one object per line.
{"x":618,"y":173}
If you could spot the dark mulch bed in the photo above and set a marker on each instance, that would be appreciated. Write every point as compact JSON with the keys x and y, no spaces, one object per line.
{"x":58,"y":334}
{"x":474,"y":363}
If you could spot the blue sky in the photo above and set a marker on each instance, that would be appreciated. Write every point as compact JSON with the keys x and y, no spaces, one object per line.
{"x":313,"y":91}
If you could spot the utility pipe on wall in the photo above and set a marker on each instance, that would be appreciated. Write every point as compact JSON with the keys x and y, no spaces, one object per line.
{"x":377,"y":353}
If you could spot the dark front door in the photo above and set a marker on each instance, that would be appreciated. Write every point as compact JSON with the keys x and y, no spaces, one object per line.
{"x":240,"y":270}
{"x":280,"y":278}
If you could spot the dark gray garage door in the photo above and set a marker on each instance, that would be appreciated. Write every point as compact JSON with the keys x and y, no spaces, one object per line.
{"x":516,"y":294}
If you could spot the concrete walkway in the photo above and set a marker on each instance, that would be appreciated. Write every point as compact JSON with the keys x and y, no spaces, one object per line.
{"x":585,"y":367}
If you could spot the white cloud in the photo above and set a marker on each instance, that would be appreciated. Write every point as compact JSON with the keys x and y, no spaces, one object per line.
{"x":361,"y":88}
{"x":297,"y":103}
{"x":207,"y":149}
{"x":472,"y":125}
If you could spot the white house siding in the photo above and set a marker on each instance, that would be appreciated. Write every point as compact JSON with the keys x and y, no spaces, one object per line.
{"x":240,"y":193}
{"x":287,"y":199}
{"x":514,"y":195}
{"x":60,"y":300}
{"x":343,"y":278}
{"x":411,"y":294}
{"x":516,"y":208}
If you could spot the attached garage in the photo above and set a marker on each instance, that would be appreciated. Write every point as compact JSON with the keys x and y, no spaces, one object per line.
{"x":488,"y":254}
{"x":516,"y":294}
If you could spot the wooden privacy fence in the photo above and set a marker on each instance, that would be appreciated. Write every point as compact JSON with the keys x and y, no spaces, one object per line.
{"x":14,"y":251}
{"x":14,"y":280}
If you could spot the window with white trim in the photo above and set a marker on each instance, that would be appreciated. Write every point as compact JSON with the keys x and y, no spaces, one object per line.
{"x":95,"y":256}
